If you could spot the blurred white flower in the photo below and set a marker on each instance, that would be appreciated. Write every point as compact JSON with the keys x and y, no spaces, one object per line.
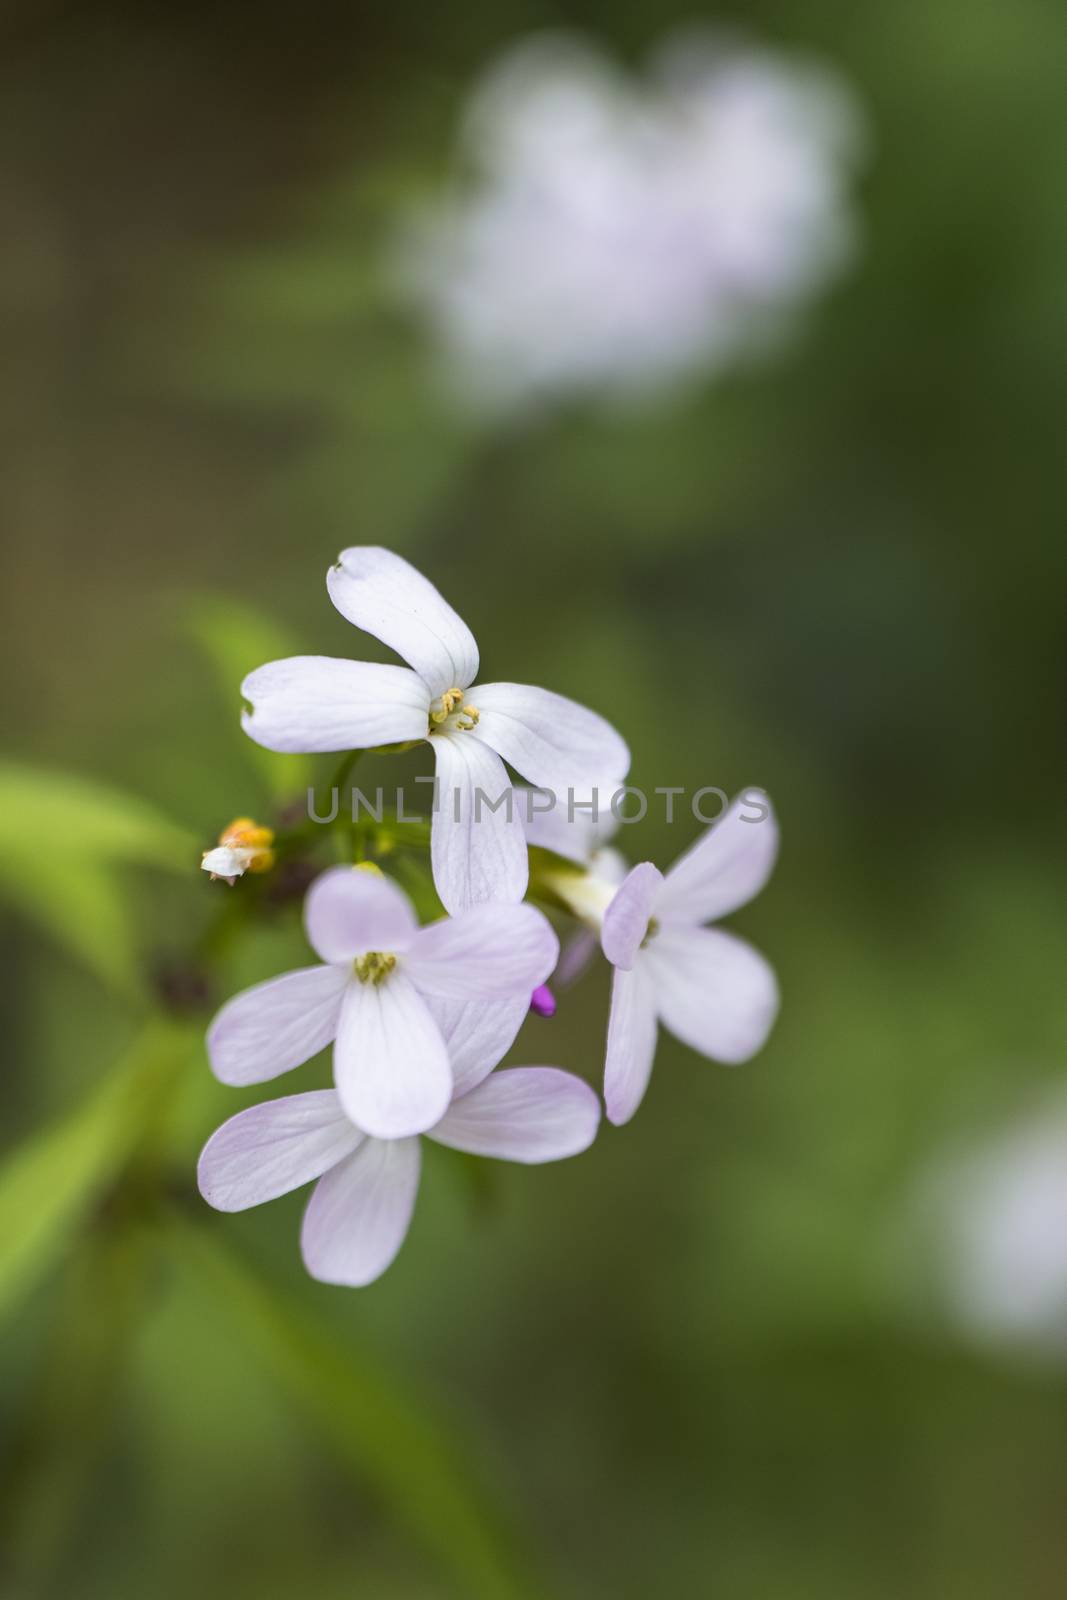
{"x":997,"y":1217}
{"x":611,"y":234}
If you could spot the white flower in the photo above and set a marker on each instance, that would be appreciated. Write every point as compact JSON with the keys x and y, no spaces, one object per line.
{"x":415,"y":1014}
{"x":997,"y":1217}
{"x":317,"y":703}
{"x":244,"y":846}
{"x":710,"y":989}
{"x":607,"y":234}
{"x":360,"y":1209}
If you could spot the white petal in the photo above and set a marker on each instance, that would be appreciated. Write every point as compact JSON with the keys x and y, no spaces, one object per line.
{"x":390,"y":1063}
{"x":574,"y":958}
{"x":726,"y":867}
{"x":626,"y":919}
{"x":713,"y":991}
{"x":359,"y":1214}
{"x":490,"y":951}
{"x":565,"y":830}
{"x":349,"y":911}
{"x":554,"y":742}
{"x":478,"y":854}
{"x":523,"y":1114}
{"x":276,"y":1025}
{"x":477,"y":1033}
{"x":383,"y":594}
{"x":631,"y":1042}
{"x":226,"y":862}
{"x":275,"y":1147}
{"x":316,"y":703}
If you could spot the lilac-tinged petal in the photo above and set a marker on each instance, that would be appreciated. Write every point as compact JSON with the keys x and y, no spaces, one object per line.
{"x":349,"y":911}
{"x":627,"y":917}
{"x":318,"y":703}
{"x":714,"y":992}
{"x":275,"y":1026}
{"x":554,"y":742}
{"x":631,"y":1042}
{"x":726,"y":867}
{"x":488,"y":952}
{"x":359,"y":1213}
{"x":478,"y":853}
{"x":390,"y":1063}
{"x":565,"y":829}
{"x":272,"y":1148}
{"x":477,"y":1033}
{"x":575,"y":958}
{"x":383,"y":594}
{"x":523,"y":1114}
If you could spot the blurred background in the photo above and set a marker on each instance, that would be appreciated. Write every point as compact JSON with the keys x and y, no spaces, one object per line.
{"x":764,"y":1341}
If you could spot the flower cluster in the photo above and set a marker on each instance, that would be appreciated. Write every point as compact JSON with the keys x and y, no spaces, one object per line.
{"x":607,"y":234}
{"x":419,"y":1017}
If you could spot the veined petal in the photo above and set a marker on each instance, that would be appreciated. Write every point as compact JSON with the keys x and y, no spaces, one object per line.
{"x":317,"y":703}
{"x":478,"y":853}
{"x":713,"y":991}
{"x":726,"y":867}
{"x":490,"y":951}
{"x":276,"y":1025}
{"x":631,"y":1042}
{"x":554,"y":742}
{"x":523,"y":1114}
{"x":348,"y":912}
{"x":477,"y":1033}
{"x":359,"y":1213}
{"x":627,"y":917}
{"x":563,"y":829}
{"x":390,"y":1063}
{"x":272,"y":1148}
{"x":383,"y":594}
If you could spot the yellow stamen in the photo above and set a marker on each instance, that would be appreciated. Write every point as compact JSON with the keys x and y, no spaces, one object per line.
{"x":374,"y":967}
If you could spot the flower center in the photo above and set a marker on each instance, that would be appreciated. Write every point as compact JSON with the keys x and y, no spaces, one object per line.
{"x":374,"y":967}
{"x":448,"y":713}
{"x":650,"y":933}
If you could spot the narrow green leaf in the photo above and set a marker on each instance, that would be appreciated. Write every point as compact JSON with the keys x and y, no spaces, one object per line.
{"x":389,"y":1439}
{"x":235,"y":639}
{"x":62,"y":840}
{"x":48,"y":1184}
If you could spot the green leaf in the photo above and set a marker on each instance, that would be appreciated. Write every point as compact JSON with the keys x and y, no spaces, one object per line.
{"x":48,"y":1184}
{"x":390,"y":1440}
{"x":63,"y":837}
{"x":235,"y":639}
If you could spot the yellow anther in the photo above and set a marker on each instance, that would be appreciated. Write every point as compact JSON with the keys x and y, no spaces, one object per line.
{"x":244,"y":846}
{"x":472,"y":716}
{"x":446,"y":705}
{"x":374,"y":967}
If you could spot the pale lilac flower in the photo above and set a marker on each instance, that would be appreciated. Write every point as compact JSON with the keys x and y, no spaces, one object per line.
{"x":360,"y":1209}
{"x":415,"y":1014}
{"x":710,"y":989}
{"x":318,"y":703}
{"x":613,"y":234}
{"x":996,"y":1218}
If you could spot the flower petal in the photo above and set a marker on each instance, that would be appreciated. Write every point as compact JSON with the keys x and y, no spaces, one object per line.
{"x":575,"y":957}
{"x":359,"y":1214}
{"x":523,"y":1114}
{"x":477,"y":1034}
{"x":276,"y":1025}
{"x":478,"y":853}
{"x":490,"y":951}
{"x":726,"y":867}
{"x":272,"y":1148}
{"x":554,"y":742}
{"x":627,"y":917}
{"x":631,"y":1042}
{"x":383,"y":594}
{"x":564,"y":829}
{"x":713,"y":991}
{"x":316,"y":703}
{"x":348,"y":912}
{"x":390,"y":1063}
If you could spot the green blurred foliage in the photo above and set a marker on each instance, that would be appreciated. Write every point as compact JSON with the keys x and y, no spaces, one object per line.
{"x":686,"y":1358}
